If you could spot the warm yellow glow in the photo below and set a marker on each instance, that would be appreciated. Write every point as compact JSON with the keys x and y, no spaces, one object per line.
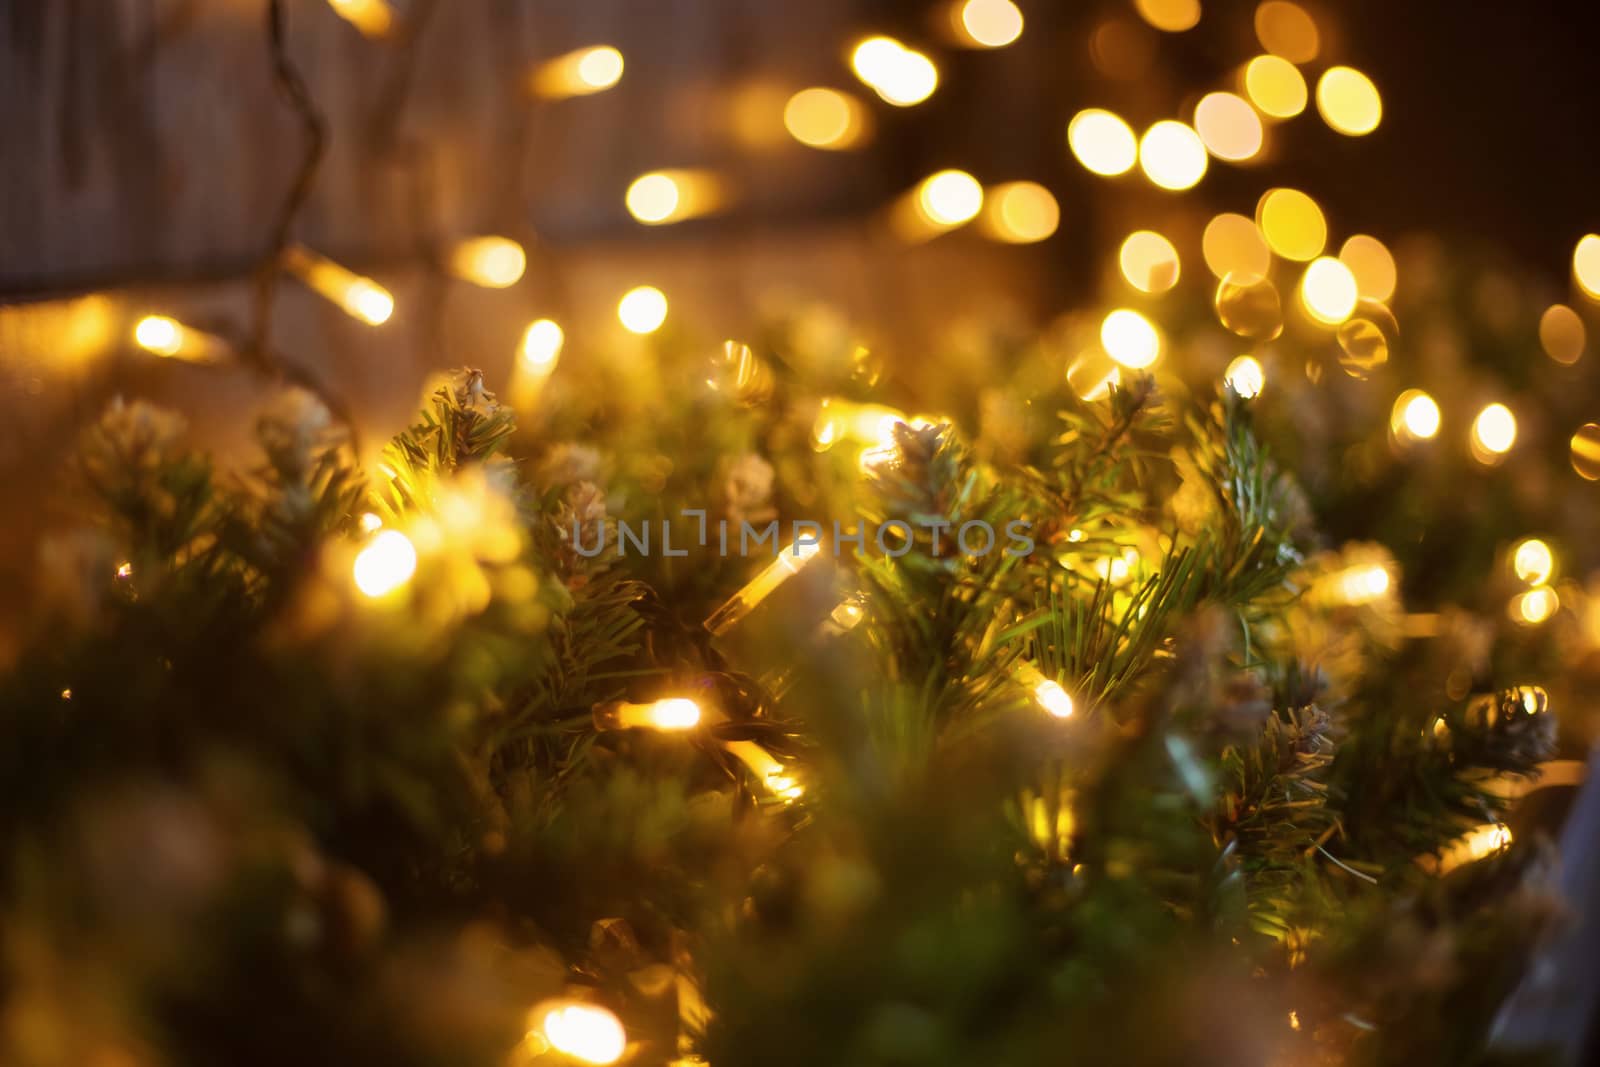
{"x":361,"y":298}
{"x":771,"y":773}
{"x":1474,"y":845}
{"x":988,"y":23}
{"x":492,"y":262}
{"x":1292,"y":223}
{"x":673,"y":713}
{"x":585,"y":1032}
{"x":1365,"y":338}
{"x":371,"y":522}
{"x":1328,"y":291}
{"x":1249,"y":305}
{"x":374,"y":18}
{"x":1586,"y":264}
{"x":665,"y":196}
{"x":1092,"y":373}
{"x":790,"y":560}
{"x":1284,"y":29}
{"x":1372,"y":264}
{"x":159,"y":334}
{"x":1130,"y":339}
{"x":1561,"y":334}
{"x":1362,"y":584}
{"x":1348,"y":101}
{"x":1019,"y":212}
{"x":1415,"y":415}
{"x":1535,"y":606}
{"x":1053,"y":699}
{"x":1246,"y":376}
{"x":901,"y":76}
{"x":1149,"y":262}
{"x":1228,"y":125}
{"x":1172,"y":155}
{"x":1171,"y":16}
{"x":1586,"y":451}
{"x":825,"y":118}
{"x":1275,"y":86}
{"x":387,"y":563}
{"x":1232,"y":244}
{"x":1532,"y":561}
{"x":642,"y":310}
{"x":1495,"y":429}
{"x":950,"y":198}
{"x":541,"y":346}
{"x":124,"y":570}
{"x":578,"y":73}
{"x":1102,"y":142}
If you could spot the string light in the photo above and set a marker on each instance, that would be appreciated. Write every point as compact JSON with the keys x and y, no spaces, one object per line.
{"x":1292,"y":223}
{"x":386,"y":564}
{"x":1229,"y":126}
{"x":1102,"y":142}
{"x":1130,"y":339}
{"x":826,"y":118}
{"x":1169,"y":16}
{"x":642,"y":310}
{"x":492,"y":262}
{"x":578,"y":73}
{"x":1149,"y":262}
{"x":541,"y":346}
{"x":901,"y":76}
{"x":768,"y":770}
{"x":1275,"y":87}
{"x":374,"y":18}
{"x":1476,"y":844}
{"x":1048,"y":692}
{"x":671,"y":714}
{"x":1245,"y":376}
{"x":1348,"y":101}
{"x":789,"y":562}
{"x":164,"y":336}
{"x":1328,"y":291}
{"x":1415,"y":415}
{"x":586,"y":1032}
{"x":1532,"y":561}
{"x":1284,"y":29}
{"x":361,"y":298}
{"x":1586,"y":264}
{"x":1373,"y":266}
{"x":986,"y":23}
{"x":1494,"y":431}
{"x":665,"y":196}
{"x":1172,"y":155}
{"x":1019,"y":213}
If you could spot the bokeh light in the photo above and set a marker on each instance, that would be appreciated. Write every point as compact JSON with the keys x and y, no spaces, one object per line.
{"x":1149,"y":262}
{"x":1348,"y":101}
{"x":1286,"y":30}
{"x":1249,"y":305}
{"x":642,"y":310}
{"x":825,"y":118}
{"x":1586,"y":264}
{"x":1328,"y":291}
{"x":1275,"y":86}
{"x":1366,"y":338}
{"x":1292,"y":223}
{"x":899,"y":75}
{"x":1532,"y":561}
{"x":1535,"y":606}
{"x":1246,"y":376}
{"x":1494,"y":431}
{"x":1415,"y":416}
{"x":541,"y":345}
{"x":585,"y":1032}
{"x":1020,"y":212}
{"x":1170,"y":16}
{"x":1586,"y":451}
{"x":1232,"y":244}
{"x":159,"y":334}
{"x":1372,"y":264}
{"x":492,"y":262}
{"x":1172,"y":155}
{"x":1102,"y":142}
{"x":1130,"y":339}
{"x":988,"y":23}
{"x":387,"y":563}
{"x":578,"y":73}
{"x":1562,"y":334}
{"x":1229,"y":126}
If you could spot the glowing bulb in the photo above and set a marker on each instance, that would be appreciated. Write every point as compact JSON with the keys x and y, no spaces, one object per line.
{"x":1586,"y":264}
{"x":1535,"y":606}
{"x":1149,"y":262}
{"x":1102,"y":142}
{"x":1328,"y":291}
{"x":642,"y":310}
{"x":492,"y":262}
{"x":1495,"y":429}
{"x":361,"y":298}
{"x":386,"y":564}
{"x":585,"y":1032}
{"x":674,"y":195}
{"x":901,"y":76}
{"x":1020,"y":213}
{"x":671,"y":714}
{"x":1348,"y":101}
{"x":541,"y":345}
{"x":578,"y":73}
{"x":371,"y":522}
{"x":825,"y":118}
{"x":1275,"y":86}
{"x":124,"y":570}
{"x":1130,"y":339}
{"x":159,"y":334}
{"x":1533,"y":561}
{"x":950,"y":197}
{"x":989,"y":23}
{"x":1172,"y":155}
{"x":1229,"y":126}
{"x":1292,"y":223}
{"x":1373,"y":266}
{"x":1362,"y":584}
{"x":1169,"y":16}
{"x":1246,"y":376}
{"x":653,"y":198}
{"x":374,"y":18}
{"x":1415,"y":415}
{"x":1053,"y":699}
